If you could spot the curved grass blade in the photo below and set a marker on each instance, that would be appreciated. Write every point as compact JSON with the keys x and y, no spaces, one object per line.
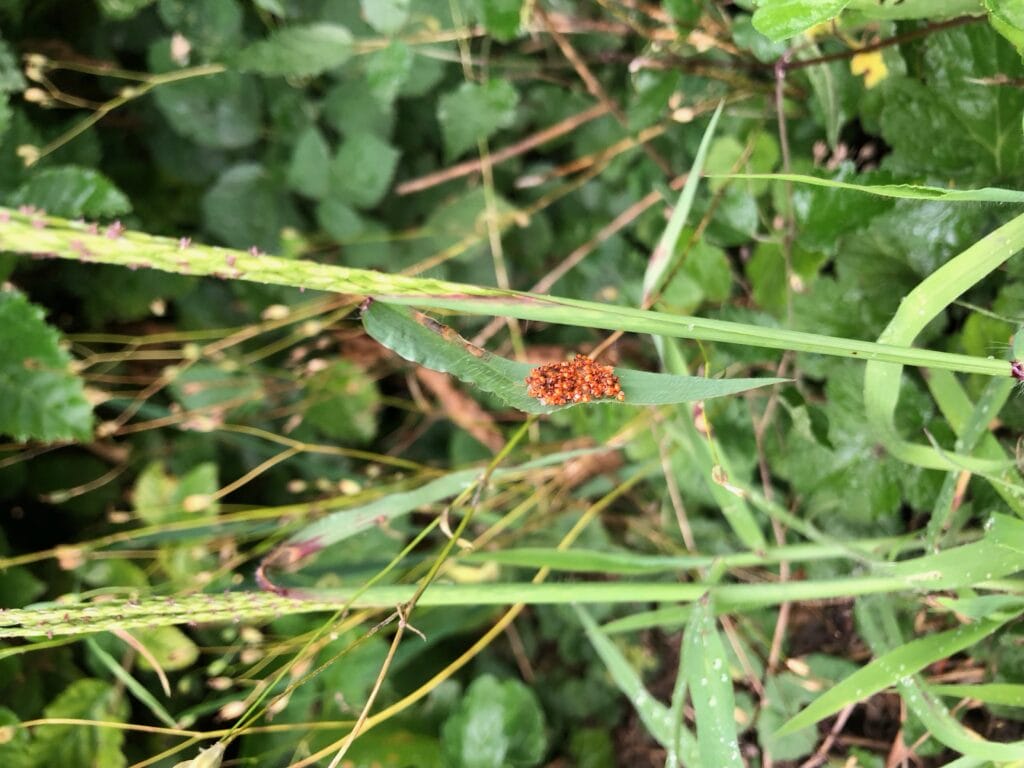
{"x":348,"y":522}
{"x":707,"y":677}
{"x":422,"y":340}
{"x":655,"y":716}
{"x":929,"y":298}
{"x":900,"y":191}
{"x":664,"y":257}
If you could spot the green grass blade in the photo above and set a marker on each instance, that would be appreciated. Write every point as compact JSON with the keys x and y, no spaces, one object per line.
{"x":664,"y":258}
{"x":654,"y":715}
{"x":349,"y":522}
{"x":1004,"y":694}
{"x":420,"y":339}
{"x":928,"y":299}
{"x":138,"y":690}
{"x":69,"y":240}
{"x":888,"y":669}
{"x":900,"y":191}
{"x":707,"y":678}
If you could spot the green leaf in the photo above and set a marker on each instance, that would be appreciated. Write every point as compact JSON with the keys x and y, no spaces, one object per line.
{"x":779,"y":19}
{"x":666,"y":255}
{"x":388,"y":69}
{"x":785,"y":693}
{"x":299,"y":50}
{"x":889,"y":669}
{"x":653,"y":714}
{"x":339,"y":220}
{"x":361,"y":171}
{"x":161,"y":498}
{"x":1010,"y":12}
{"x":904,"y":191}
{"x":386,"y":16}
{"x":212,"y":27}
{"x":15,"y":743}
{"x":308,"y":170}
{"x":122,"y":9}
{"x":73,"y":192}
{"x":342,"y":402}
{"x":710,"y":686}
{"x":501,"y":18}
{"x":473,"y":112}
{"x":222,"y":111}
{"x":11,"y":79}
{"x":86,"y":699}
{"x":954,"y":125}
{"x":497,"y":724}
{"x":247,"y":207}
{"x":40,"y":399}
{"x":418,"y":338}
{"x":171,"y":648}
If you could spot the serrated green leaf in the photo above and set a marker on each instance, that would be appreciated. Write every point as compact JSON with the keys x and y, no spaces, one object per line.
{"x":385,"y":16}
{"x":73,"y":192}
{"x":160,"y":497}
{"x":40,"y":399}
{"x":779,"y":19}
{"x":497,"y":723}
{"x":707,"y":677}
{"x":418,"y":338}
{"x":86,"y":699}
{"x":361,"y":171}
{"x":308,"y":170}
{"x":298,"y":50}
{"x":472,"y":112}
{"x":1010,"y":12}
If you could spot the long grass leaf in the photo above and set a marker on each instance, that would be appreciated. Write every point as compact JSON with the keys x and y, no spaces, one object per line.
{"x":654,"y":715}
{"x":69,"y":240}
{"x":901,"y":191}
{"x":707,"y":677}
{"x":888,"y":669}
{"x":664,"y":257}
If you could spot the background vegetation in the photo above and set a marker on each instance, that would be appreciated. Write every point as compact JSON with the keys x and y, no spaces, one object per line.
{"x":246,"y":510}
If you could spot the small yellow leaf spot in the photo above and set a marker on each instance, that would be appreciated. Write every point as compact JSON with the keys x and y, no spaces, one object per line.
{"x":871,"y":65}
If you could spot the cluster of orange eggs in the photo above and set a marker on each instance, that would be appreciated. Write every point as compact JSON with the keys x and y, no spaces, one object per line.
{"x":579,"y":380}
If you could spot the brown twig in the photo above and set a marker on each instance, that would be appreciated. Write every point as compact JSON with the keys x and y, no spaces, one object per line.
{"x":560,"y":128}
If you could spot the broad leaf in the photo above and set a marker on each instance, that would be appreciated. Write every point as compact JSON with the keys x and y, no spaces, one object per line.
{"x":473,"y":112}
{"x":418,"y":338}
{"x":86,"y":699}
{"x":779,"y":19}
{"x":362,"y":169}
{"x":40,"y":399}
{"x":298,"y":50}
{"x":73,"y":192}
